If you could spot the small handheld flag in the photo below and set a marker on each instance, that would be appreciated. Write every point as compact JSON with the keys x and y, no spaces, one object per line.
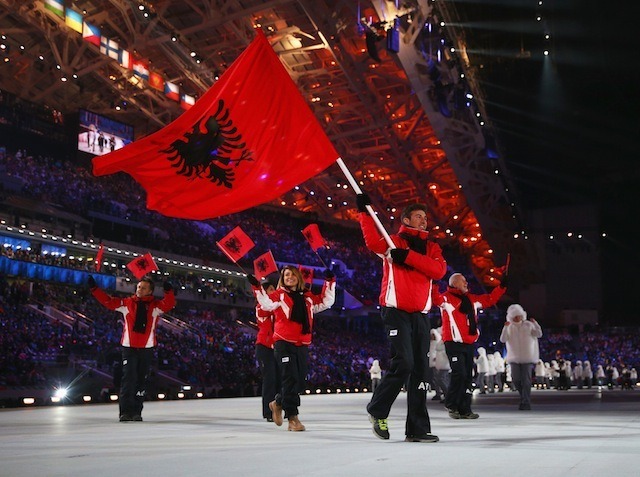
{"x":98,"y":262}
{"x":236,"y":244}
{"x":264,"y":265}
{"x":140,"y":266}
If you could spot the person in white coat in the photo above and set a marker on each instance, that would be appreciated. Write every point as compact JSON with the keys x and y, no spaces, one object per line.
{"x":500,"y":369}
{"x":540,"y":373}
{"x":491,"y":374}
{"x":587,"y":374}
{"x":601,"y":377}
{"x":577,"y":374}
{"x":442,"y":371}
{"x":521,"y":337}
{"x":376,"y":374}
{"x":482,"y":368}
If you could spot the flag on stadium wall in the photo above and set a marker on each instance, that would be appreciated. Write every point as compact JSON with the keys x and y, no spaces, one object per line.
{"x":109,"y":48}
{"x":172,"y":91}
{"x":156,"y":81}
{"x":55,"y":6}
{"x":312,"y":233}
{"x":264,"y":265}
{"x":141,"y":69}
{"x":91,"y":34}
{"x":99,"y":256}
{"x":307,"y":274}
{"x":73,"y":20}
{"x":125,"y":59}
{"x":140,"y":266}
{"x":236,"y":244}
{"x":186,"y":101}
{"x":250,"y":138}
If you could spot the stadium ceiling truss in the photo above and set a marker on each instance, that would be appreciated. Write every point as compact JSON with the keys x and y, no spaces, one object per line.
{"x":385,"y":118}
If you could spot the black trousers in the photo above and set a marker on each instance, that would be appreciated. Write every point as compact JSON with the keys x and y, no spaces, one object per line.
{"x":292,"y":364}
{"x":270,"y":376}
{"x":136,"y":364}
{"x":460,"y":391}
{"x":408,"y":334}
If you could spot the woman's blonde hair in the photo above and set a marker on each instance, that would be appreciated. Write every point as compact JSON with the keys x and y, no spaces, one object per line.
{"x":300,"y":286}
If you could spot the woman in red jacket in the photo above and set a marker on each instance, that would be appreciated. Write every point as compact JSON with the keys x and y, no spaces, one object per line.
{"x":293,"y":306}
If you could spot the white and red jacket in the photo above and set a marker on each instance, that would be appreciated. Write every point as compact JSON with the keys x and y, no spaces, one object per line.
{"x":406,"y":287}
{"x":280,"y":303}
{"x":265,"y":320}
{"x":455,"y":325}
{"x":128,"y":306}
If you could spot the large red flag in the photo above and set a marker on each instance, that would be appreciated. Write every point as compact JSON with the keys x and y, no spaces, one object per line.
{"x":236,"y":244}
{"x":250,"y":138}
{"x":264,"y":265}
{"x":314,"y":237}
{"x":142,"y":265}
{"x":98,"y":261}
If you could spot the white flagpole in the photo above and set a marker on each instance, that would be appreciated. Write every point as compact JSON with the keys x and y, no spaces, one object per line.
{"x":356,"y":188}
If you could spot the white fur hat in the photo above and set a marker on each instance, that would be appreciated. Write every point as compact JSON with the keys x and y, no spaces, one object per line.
{"x":516,"y":310}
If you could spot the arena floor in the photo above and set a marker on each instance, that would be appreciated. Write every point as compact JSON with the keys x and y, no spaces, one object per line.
{"x":570,"y":433}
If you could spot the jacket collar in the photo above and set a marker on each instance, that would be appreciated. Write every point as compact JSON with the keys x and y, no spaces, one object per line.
{"x":423,"y":234}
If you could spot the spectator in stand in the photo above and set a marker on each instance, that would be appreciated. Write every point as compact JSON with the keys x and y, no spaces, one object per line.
{"x":405,"y":299}
{"x":521,"y":337}
{"x":140,"y":312}
{"x":264,"y":354}
{"x":293,"y":306}
{"x":459,"y":332}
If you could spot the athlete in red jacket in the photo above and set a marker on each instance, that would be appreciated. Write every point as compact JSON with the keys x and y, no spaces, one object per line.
{"x":405,"y":299}
{"x":264,"y":354}
{"x":459,"y":331}
{"x":140,"y":312}
{"x":293,"y":306}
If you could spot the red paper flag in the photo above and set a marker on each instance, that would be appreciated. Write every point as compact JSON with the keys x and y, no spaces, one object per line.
{"x":314,"y":237}
{"x":236,"y":244}
{"x":264,"y":265}
{"x":98,"y":262}
{"x":250,"y":138}
{"x":307,"y":274}
{"x":140,"y":266}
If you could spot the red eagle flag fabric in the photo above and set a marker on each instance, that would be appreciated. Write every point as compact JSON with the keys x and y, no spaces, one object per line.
{"x":142,"y":265}
{"x":236,"y":244}
{"x":250,"y":138}
{"x":307,"y":274}
{"x":98,"y":261}
{"x":264,"y":265}
{"x":314,"y":237}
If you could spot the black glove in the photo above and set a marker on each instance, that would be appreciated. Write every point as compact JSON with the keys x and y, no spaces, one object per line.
{"x":504,"y":283}
{"x":92,"y":282}
{"x":167,"y":286}
{"x":253,"y":280}
{"x":362,"y":200}
{"x":329,"y":275}
{"x":399,"y":255}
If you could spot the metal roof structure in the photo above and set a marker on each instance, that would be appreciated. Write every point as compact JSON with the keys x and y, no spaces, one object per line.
{"x":411,"y":126}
